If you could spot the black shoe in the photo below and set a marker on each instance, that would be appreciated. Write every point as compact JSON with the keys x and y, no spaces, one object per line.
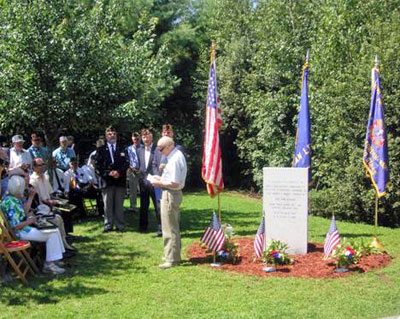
{"x":159,"y":233}
{"x":120,"y":230}
{"x":107,"y":229}
{"x":68,"y":254}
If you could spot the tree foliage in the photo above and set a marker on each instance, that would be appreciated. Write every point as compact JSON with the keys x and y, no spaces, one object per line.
{"x":84,"y":64}
{"x":67,"y":64}
{"x":262,"y":48}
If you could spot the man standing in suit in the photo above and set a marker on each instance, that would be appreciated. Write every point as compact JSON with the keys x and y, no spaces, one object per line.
{"x":112,"y":163}
{"x":133,"y":171}
{"x":149,"y":163}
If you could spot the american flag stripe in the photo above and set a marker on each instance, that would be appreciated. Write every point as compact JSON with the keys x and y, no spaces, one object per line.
{"x":332,"y":238}
{"x":218,"y":240}
{"x":207,"y":235}
{"x":259,"y":245}
{"x":259,"y":239}
{"x":332,"y":241}
{"x":212,"y":163}
{"x":213,"y":235}
{"x":212,"y":143}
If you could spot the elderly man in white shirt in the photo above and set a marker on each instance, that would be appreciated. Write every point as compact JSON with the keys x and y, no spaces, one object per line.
{"x":171,"y":182}
{"x":19,"y":158}
{"x":40,"y":181}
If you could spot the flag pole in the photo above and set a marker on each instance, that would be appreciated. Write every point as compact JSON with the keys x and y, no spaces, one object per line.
{"x":375,"y":241}
{"x":219,"y":208}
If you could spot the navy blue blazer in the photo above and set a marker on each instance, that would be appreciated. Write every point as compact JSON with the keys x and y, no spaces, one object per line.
{"x":104,"y":164}
{"x":154,"y":162}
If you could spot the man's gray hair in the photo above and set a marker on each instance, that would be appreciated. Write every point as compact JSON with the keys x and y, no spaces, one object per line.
{"x":16,"y":185}
{"x":165,"y":141}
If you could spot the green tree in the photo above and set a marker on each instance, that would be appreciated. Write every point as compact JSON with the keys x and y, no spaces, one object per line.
{"x":66,"y":64}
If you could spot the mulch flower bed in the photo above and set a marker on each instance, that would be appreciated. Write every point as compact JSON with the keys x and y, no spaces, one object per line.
{"x":310,"y":265}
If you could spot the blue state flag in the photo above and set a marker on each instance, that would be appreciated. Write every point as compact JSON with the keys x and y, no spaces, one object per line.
{"x":302,"y":153}
{"x":375,"y":158}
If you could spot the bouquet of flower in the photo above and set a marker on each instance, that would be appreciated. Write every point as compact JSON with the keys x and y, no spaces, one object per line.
{"x":346,"y":255}
{"x":230,"y":250}
{"x":276,"y":254}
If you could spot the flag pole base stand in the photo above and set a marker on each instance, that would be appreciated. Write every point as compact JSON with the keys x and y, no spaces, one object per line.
{"x":215,"y":264}
{"x":341,"y":269}
{"x":376,"y":244}
{"x":269,"y":269}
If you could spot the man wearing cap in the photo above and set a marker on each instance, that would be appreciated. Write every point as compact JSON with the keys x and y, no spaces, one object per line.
{"x":112,"y":164}
{"x":20,"y":159}
{"x":63,"y":154}
{"x":171,"y":182}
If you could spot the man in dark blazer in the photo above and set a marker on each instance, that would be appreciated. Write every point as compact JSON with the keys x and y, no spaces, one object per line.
{"x":111,"y":164}
{"x":149,"y":163}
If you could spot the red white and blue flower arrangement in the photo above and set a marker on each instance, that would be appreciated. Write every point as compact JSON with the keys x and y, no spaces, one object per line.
{"x":276,"y":254}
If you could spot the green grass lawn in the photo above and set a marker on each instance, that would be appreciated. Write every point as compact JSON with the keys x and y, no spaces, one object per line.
{"x":116,"y":275}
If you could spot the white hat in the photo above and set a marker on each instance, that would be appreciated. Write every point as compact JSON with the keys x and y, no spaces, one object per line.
{"x":17,"y":138}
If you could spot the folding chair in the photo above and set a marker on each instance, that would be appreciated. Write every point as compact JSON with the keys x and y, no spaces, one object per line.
{"x":8,"y":247}
{"x":90,"y":205}
{"x":10,"y":236}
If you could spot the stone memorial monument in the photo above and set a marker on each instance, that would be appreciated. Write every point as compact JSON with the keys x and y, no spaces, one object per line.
{"x":285,"y":203}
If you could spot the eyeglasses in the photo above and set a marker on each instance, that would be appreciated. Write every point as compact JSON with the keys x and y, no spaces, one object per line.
{"x":39,"y":165}
{"x":161,"y":148}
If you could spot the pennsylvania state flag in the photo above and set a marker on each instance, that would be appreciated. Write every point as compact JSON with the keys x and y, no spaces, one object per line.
{"x":302,"y":153}
{"x":375,"y":158}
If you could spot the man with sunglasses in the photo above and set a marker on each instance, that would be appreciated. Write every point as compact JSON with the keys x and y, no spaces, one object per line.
{"x":171,"y":182}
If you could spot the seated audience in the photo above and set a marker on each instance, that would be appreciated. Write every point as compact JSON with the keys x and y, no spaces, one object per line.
{"x":56,"y":178}
{"x":96,"y":184}
{"x":37,"y":150}
{"x":41,"y":184}
{"x":13,"y":207}
{"x":75,"y":186}
{"x":63,"y":154}
{"x":19,"y":158}
{"x":71,"y":142}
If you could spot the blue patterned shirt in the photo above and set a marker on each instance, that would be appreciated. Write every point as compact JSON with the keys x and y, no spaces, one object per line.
{"x":13,"y":208}
{"x":63,"y":157}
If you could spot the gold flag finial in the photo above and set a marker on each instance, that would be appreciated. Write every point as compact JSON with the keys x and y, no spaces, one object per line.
{"x":213,"y":49}
{"x":376,"y":61}
{"x":376,"y":244}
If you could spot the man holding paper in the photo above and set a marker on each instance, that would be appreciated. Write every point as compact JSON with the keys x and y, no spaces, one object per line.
{"x":171,"y":182}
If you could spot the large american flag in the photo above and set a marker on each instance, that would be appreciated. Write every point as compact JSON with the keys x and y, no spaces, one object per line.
{"x":213,"y":236}
{"x":212,"y":164}
{"x":260,"y":239}
{"x":332,"y":238}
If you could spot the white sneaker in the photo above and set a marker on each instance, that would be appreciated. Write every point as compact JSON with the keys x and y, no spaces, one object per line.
{"x":51,"y":267}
